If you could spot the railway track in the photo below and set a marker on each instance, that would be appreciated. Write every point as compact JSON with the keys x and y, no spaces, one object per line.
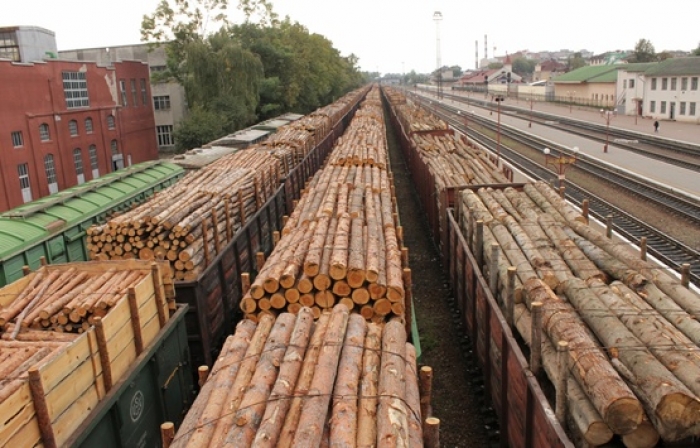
{"x":668,"y":250}
{"x":678,"y":153}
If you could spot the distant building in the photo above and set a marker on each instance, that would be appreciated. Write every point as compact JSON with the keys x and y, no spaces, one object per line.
{"x":27,"y":43}
{"x":546,"y":70}
{"x":169,"y":102}
{"x":63,"y":123}
{"x":672,"y":90}
{"x":592,"y":85}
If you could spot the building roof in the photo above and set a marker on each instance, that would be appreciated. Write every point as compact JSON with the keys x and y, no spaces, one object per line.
{"x":638,"y":67}
{"x":676,"y":66}
{"x":590,"y":73}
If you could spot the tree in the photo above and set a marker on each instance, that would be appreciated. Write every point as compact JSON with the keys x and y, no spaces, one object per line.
{"x":643,"y":52}
{"x":696,"y":52}
{"x":199,"y":127}
{"x":524,"y":67}
{"x":575,"y":62}
{"x":495,"y":65}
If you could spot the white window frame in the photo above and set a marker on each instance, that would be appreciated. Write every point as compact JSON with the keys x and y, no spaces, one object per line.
{"x":50,"y":170}
{"x":88,"y":125}
{"x":652,"y":107}
{"x":73,"y":128}
{"x":44,"y":132}
{"x":17,"y":139}
{"x":691,"y":108}
{"x":75,"y":90}
{"x":134,"y":93}
{"x":78,"y":162}
{"x":111,"y":124}
{"x":684,"y":83}
{"x":25,"y":184}
{"x":681,"y":110}
{"x":144,"y":93}
{"x":161,"y":102}
{"x":94,"y":161}
{"x":122,"y":87}
{"x":164,"y":134}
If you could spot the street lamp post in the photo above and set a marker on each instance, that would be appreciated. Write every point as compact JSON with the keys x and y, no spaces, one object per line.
{"x":607,"y":114}
{"x":561,"y":162}
{"x":437,"y":17}
{"x":498,"y":100}
{"x":529,"y":125}
{"x":466,"y":120}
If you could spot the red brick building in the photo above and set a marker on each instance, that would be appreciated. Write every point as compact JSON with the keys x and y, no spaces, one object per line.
{"x":63,"y":123}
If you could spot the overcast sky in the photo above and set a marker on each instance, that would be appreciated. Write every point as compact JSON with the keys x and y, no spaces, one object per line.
{"x":393,"y":36}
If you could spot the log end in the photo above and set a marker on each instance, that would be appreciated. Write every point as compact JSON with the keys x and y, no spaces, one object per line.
{"x":678,"y":414}
{"x":624,"y":415}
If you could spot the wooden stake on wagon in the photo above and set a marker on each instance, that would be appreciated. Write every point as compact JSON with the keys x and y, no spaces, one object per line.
{"x":431,"y":434}
{"x":561,"y":386}
{"x":202,"y":375}
{"x":135,"y":321}
{"x":536,"y":338}
{"x":426,"y":391}
{"x":104,"y":354}
{"x":167,"y":433}
{"x":41,"y":408}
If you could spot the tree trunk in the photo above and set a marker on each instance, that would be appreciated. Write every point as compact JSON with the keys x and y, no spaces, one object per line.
{"x":392,"y":418}
{"x":367,"y":407}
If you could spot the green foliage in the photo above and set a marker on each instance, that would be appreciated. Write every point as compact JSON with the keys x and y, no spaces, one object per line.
{"x":575,"y":62}
{"x":199,"y":127}
{"x":696,"y":52}
{"x":495,"y":65}
{"x":524,"y":67}
{"x":644,"y":52}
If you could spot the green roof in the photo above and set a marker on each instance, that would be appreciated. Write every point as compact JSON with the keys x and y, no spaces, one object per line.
{"x":638,"y":67}
{"x":589,"y":73}
{"x":675,"y":67}
{"x":31,"y":223}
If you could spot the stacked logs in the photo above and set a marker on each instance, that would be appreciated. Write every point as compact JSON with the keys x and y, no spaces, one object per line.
{"x":17,"y":357}
{"x":190,"y":222}
{"x":341,"y":243}
{"x":68,"y":300}
{"x":631,"y":328}
{"x":367,"y":145}
{"x":293,"y":382}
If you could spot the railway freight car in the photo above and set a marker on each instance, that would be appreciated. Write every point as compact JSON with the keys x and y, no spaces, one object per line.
{"x":608,"y":338}
{"x":53,"y":228}
{"x":213,"y":224}
{"x":91,"y":354}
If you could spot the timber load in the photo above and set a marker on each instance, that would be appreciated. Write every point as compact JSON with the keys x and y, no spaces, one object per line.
{"x":51,"y":376}
{"x":631,"y":328}
{"x":291,"y":381}
{"x":190,"y":222}
{"x":342,"y":242}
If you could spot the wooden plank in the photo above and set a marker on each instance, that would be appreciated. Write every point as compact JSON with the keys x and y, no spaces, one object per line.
{"x":150,"y":330}
{"x":116,"y":318}
{"x":60,"y":364}
{"x":10,"y":292}
{"x":66,"y":424}
{"x":144,"y":290}
{"x":16,"y":412}
{"x":123,"y":361}
{"x":120,"y":344}
{"x":28,"y":435}
{"x":81,"y":379}
{"x":516,"y":402}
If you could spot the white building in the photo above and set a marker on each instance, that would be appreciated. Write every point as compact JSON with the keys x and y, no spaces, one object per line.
{"x":672,"y":91}
{"x":629,"y":89}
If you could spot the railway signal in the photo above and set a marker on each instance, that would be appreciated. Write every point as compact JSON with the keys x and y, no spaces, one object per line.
{"x":562,"y":162}
{"x":498,"y":100}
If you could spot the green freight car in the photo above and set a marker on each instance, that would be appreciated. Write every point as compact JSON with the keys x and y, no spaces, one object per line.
{"x":54,"y":226}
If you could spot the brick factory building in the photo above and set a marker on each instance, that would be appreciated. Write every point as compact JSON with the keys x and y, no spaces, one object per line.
{"x":65,"y":122}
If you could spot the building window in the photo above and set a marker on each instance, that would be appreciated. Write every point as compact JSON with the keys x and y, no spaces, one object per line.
{"x":88,"y":125}
{"x":9,"y":49}
{"x":44,"y":133}
{"x":110,"y":122}
{"x":78,"y":160}
{"x":653,"y":83}
{"x":663,"y":107}
{"x":50,"y":169}
{"x":161,"y":102}
{"x":684,"y":83}
{"x":652,"y":106}
{"x":24,"y":185}
{"x":664,"y":83}
{"x":122,"y":88}
{"x":694,"y":83}
{"x":73,"y":128}
{"x":165,"y":135}
{"x":682,"y":111}
{"x":691,"y":110}
{"x":114,"y":147}
{"x":144,"y":93}
{"x":75,"y":90}
{"x":624,"y":83}
{"x":94,"y":162}
{"x":134,"y":94}
{"x":158,"y":68}
{"x":631,"y":83}
{"x":17,"y":139}
{"x":674,"y":83}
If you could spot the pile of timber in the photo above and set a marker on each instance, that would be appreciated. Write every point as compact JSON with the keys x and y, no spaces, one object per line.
{"x":293,"y":382}
{"x":414,"y":118}
{"x":630,"y":329}
{"x":190,"y":222}
{"x":367,"y":144}
{"x":70,"y":298}
{"x":341,"y":244}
